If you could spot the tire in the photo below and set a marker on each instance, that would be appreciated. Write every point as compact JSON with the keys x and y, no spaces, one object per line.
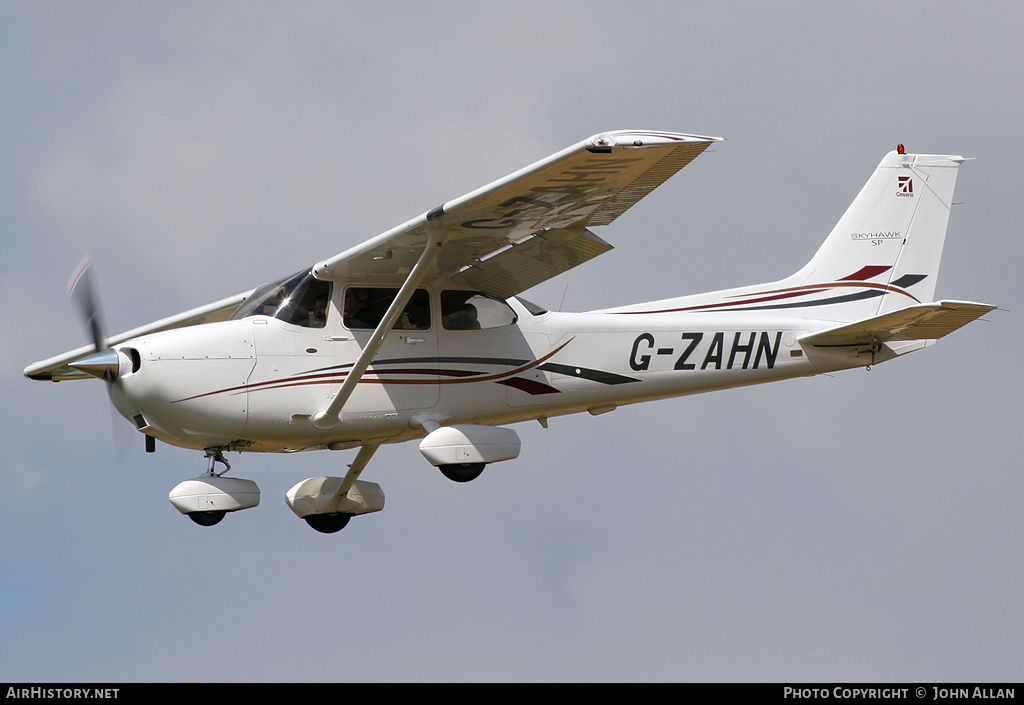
{"x":462,"y":472}
{"x":206,"y":518}
{"x":328,"y":523}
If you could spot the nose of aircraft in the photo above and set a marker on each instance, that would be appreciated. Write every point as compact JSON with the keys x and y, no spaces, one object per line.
{"x":104,"y":364}
{"x":185,"y":386}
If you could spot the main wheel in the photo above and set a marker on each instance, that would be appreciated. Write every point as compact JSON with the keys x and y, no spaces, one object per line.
{"x":462,"y":472}
{"x":328,"y":523}
{"x":206,"y":518}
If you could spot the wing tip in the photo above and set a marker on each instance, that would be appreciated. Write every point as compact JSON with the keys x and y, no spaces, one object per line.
{"x":645,"y":138}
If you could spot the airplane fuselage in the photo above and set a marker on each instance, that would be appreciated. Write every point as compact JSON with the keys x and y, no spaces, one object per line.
{"x":253,"y":384}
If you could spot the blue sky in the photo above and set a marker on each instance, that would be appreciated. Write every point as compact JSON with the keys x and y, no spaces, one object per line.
{"x":857,"y":527}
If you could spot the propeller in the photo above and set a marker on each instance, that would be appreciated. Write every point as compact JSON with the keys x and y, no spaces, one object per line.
{"x":104,"y":362}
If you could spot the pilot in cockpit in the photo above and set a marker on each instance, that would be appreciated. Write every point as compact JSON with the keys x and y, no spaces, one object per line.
{"x":318,"y":315}
{"x":355,"y":309}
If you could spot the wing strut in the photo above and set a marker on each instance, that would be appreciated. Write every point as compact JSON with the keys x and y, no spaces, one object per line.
{"x":331,"y":416}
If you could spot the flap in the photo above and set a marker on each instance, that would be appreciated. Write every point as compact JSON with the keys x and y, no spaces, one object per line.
{"x":532,"y":260}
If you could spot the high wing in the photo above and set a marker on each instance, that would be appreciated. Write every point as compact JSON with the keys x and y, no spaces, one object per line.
{"x":533,"y":224}
{"x":56,"y":368}
{"x":500,"y":239}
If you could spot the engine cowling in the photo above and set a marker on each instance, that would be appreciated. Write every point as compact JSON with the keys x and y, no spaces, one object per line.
{"x":469,"y":443}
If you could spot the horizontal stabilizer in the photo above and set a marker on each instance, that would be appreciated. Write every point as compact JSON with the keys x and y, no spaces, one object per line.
{"x":921,"y":322}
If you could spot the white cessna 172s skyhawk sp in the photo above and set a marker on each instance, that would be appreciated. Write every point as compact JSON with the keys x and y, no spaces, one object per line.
{"x":418,"y":332}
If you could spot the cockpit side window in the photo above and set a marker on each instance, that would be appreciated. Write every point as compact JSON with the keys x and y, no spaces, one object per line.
{"x":365,"y":307}
{"x":300,"y":299}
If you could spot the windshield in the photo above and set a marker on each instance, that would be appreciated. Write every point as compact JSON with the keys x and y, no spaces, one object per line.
{"x":299,"y":299}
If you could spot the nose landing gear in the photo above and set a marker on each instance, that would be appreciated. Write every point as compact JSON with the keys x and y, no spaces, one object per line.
{"x":206,"y":499}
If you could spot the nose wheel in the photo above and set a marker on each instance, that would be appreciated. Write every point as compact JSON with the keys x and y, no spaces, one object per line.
{"x":207,"y":498}
{"x":211,"y":518}
{"x":206,"y":518}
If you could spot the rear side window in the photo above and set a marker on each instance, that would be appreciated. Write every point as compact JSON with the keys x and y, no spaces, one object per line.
{"x":472,"y":310}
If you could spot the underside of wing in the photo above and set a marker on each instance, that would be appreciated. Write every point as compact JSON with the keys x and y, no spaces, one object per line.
{"x":500,"y":239}
{"x":57,"y":369}
{"x":530,"y":261}
{"x":921,"y":322}
{"x":532,"y":225}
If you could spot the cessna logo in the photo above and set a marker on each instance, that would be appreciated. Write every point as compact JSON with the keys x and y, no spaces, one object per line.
{"x":905,"y":186}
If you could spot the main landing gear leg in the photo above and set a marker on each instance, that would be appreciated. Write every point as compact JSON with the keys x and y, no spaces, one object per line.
{"x":333,"y":522}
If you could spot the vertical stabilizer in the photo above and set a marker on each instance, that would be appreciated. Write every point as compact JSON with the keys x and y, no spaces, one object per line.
{"x":883,"y":254}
